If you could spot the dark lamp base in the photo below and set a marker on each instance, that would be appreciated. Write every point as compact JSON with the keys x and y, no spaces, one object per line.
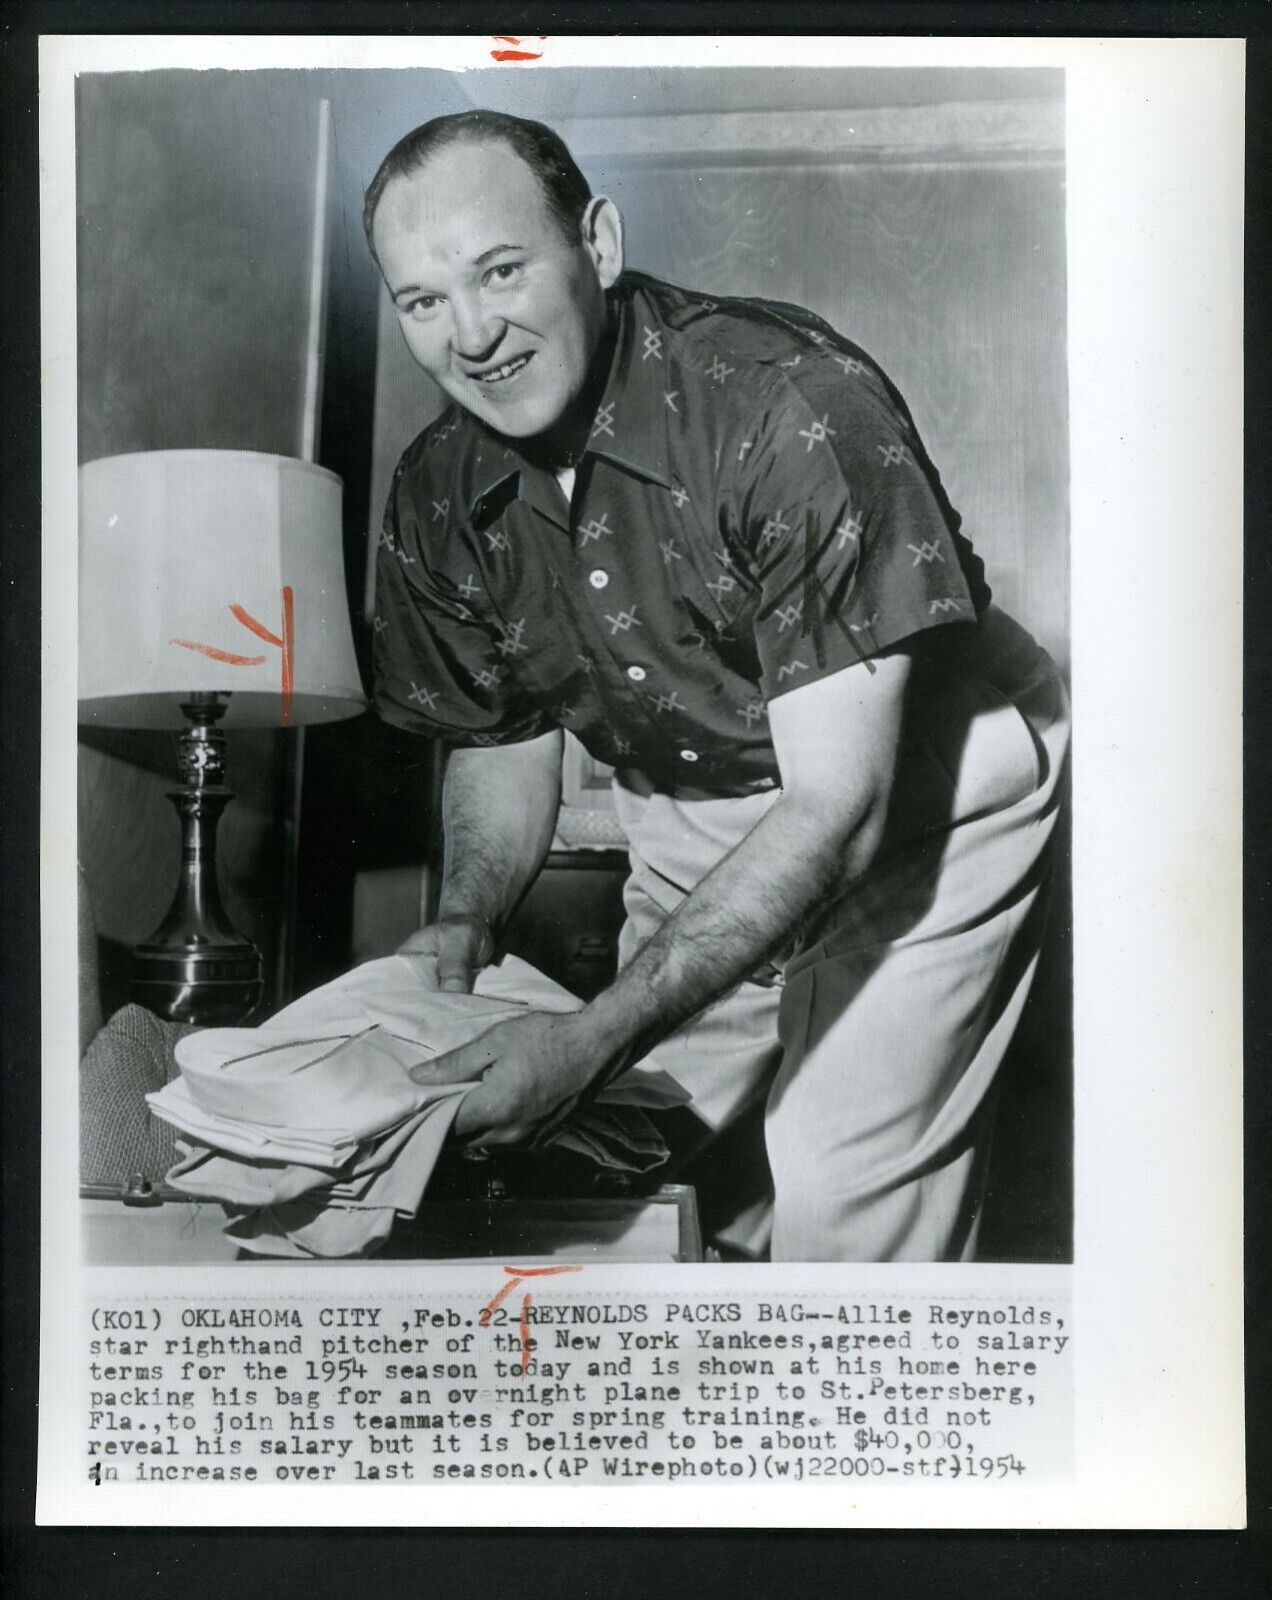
{"x":211,"y":988}
{"x":196,"y":967}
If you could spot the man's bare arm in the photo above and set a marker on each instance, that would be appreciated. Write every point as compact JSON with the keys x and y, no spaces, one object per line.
{"x":499,"y":808}
{"x":836,"y":742}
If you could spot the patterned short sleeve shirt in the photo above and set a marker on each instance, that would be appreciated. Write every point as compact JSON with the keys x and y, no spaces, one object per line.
{"x":754,"y":511}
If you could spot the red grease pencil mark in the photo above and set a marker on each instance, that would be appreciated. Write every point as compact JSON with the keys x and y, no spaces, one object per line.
{"x":516,"y":53}
{"x":517,"y":1275}
{"x":289,"y":654}
{"x":258,"y":628}
{"x":219,"y":655}
{"x":523,"y":1329}
{"x":286,"y":644}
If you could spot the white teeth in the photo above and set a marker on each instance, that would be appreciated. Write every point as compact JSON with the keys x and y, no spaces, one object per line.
{"x":506,"y":371}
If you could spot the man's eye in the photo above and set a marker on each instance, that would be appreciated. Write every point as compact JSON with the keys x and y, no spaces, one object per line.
{"x":504,"y":272}
{"x":423,"y":305}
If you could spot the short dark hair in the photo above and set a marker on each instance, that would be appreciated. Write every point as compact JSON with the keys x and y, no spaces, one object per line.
{"x":565,"y":189}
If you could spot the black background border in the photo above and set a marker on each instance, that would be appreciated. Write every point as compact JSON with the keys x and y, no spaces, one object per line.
{"x":101,"y":1564}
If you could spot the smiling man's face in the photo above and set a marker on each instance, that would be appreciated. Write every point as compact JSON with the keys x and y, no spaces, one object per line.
{"x":494,"y":302}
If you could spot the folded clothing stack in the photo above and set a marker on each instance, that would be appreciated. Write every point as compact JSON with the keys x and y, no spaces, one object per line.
{"x":311,"y":1132}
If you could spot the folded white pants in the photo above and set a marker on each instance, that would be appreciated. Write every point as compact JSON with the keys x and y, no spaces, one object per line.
{"x":879,"y":1043}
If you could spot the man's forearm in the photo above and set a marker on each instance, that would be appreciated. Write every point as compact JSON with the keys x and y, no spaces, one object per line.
{"x":741,"y":912}
{"x":499,"y":808}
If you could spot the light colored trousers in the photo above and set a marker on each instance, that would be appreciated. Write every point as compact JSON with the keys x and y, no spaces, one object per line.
{"x":879,"y":1042}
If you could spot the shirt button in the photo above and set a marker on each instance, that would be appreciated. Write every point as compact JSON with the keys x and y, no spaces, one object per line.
{"x":636,"y":674}
{"x":597,"y":578}
{"x":688,"y":755}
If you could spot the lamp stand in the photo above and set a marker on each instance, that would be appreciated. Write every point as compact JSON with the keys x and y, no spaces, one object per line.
{"x":196,"y":966}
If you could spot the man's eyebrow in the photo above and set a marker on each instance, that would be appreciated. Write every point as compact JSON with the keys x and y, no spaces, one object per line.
{"x":495,"y":249}
{"x":478,"y":261}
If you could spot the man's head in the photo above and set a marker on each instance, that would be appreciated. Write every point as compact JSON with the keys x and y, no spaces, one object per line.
{"x":497,"y":257}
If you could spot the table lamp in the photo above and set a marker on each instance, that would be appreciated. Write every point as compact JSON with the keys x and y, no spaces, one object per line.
{"x":211,"y":596}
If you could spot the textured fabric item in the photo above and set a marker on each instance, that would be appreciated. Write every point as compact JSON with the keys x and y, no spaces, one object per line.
{"x":312,"y":1125}
{"x":218,"y":1174}
{"x":388,"y":992}
{"x":131,"y":1057}
{"x":393,"y":1178}
{"x":299,"y":1217}
{"x":310,"y":1227}
{"x":208,"y":1174}
{"x":317,"y":1089}
{"x":333,"y":1068}
{"x":878,"y":1052}
{"x":321,"y":1148}
{"x":754,"y":511}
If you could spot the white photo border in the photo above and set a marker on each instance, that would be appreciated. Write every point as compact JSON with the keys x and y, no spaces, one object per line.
{"x":1155,"y":178}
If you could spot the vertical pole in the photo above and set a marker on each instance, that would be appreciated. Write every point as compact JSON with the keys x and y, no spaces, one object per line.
{"x":315,"y":343}
{"x":315,"y":340}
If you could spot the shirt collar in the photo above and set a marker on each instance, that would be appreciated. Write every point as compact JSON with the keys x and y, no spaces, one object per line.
{"x":629,"y":428}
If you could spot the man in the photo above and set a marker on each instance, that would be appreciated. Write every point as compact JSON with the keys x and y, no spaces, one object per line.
{"x":704,"y":535}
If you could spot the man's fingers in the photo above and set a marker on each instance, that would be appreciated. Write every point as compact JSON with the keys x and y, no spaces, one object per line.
{"x":464,"y":1065}
{"x":421,"y":951}
{"x":424,"y":966}
{"x":446,"y":955}
{"x":456,"y":964}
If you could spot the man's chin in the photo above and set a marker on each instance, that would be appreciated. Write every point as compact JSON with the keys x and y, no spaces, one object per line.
{"x":523,"y":431}
{"x":531,"y":419}
{"x":523,"y":421}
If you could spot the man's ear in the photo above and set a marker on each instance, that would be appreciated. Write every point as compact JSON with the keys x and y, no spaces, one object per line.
{"x":602,"y":230}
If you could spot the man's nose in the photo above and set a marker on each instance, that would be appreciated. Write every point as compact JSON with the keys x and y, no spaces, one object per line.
{"x":476,"y":334}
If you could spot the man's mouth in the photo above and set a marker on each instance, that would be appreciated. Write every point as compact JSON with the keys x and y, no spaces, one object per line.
{"x":504,"y":373}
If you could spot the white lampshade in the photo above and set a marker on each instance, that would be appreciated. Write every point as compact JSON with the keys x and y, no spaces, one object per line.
{"x":170,"y":540}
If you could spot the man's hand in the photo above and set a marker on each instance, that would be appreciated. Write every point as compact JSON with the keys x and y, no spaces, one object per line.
{"x":449,"y":953}
{"x":528,"y":1066}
